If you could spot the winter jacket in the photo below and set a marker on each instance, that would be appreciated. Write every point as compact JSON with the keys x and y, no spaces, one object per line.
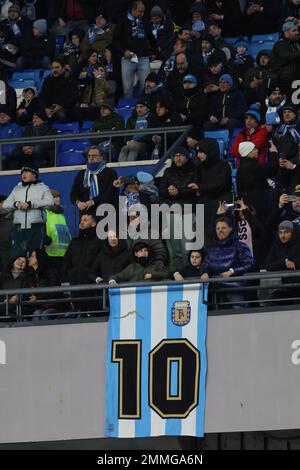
{"x":123,"y":40}
{"x":214,"y":174}
{"x":231,"y":105}
{"x":31,"y":108}
{"x":170,"y":119}
{"x":175,"y":79}
{"x":39,"y":47}
{"x":259,"y":138}
{"x":113,"y":122}
{"x":180,"y":177}
{"x":80,"y":256}
{"x":38,"y":131}
{"x":60,"y":90}
{"x":221,"y":255}
{"x":281,"y":251}
{"x":165,"y":34}
{"x":156,"y":246}
{"x":39,"y":197}
{"x":6,"y":227}
{"x":193,"y":103}
{"x":286,"y":144}
{"x":136,"y":272}
{"x":240,"y":70}
{"x":102,"y":40}
{"x":286,"y":59}
{"x":111,"y":261}
{"x":97,"y":91}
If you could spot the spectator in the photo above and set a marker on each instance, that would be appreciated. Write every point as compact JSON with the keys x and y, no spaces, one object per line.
{"x":82,"y":252}
{"x":94,"y":186}
{"x":154,"y":90}
{"x":58,"y":235}
{"x":252,"y":178}
{"x":15,"y":32}
{"x":257,"y":77}
{"x":210,"y":50}
{"x":242,"y":61}
{"x":14,"y":276}
{"x":59,"y":92}
{"x":71,"y":14}
{"x":135,"y":43}
{"x":27,"y":201}
{"x":196,"y":23}
{"x":142,"y":268}
{"x":162,"y":29}
{"x":135,"y":146}
{"x":285,"y":256}
{"x":227,"y":107}
{"x":37,"y":154}
{"x":288,"y":208}
{"x":192,"y":102}
{"x":71,"y":49}
{"x":213,"y":181}
{"x":214,"y":70}
{"x":113,"y":258}
{"x":215,"y":31}
{"x":229,"y":15}
{"x":164,"y":117}
{"x":87,"y":64}
{"x":178,"y":185}
{"x":99,"y":35}
{"x":252,"y":132}
{"x":6,"y":227}
{"x":109,"y":120}
{"x":28,"y":106}
{"x":8,"y":130}
{"x":179,"y":46}
{"x":287,"y":135}
{"x":261,"y":16}
{"x":226,"y":256}
{"x":39,"y":49}
{"x":286,"y":52}
{"x":272,"y":109}
{"x":181,"y":69}
{"x":193,"y":268}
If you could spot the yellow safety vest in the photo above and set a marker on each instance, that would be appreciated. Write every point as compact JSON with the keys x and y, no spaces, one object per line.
{"x":58,"y":230}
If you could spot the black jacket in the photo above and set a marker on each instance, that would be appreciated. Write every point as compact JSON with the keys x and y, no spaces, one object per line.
{"x":36,"y":48}
{"x":286,"y":59}
{"x":123,"y":40}
{"x":111,"y":260}
{"x":252,"y":176}
{"x":192,"y":103}
{"x":282,"y":251}
{"x":175,"y":79}
{"x":180,"y":177}
{"x":107,"y":192}
{"x":231,"y":105}
{"x":214,"y":175}
{"x":60,"y":90}
{"x":80,"y":256}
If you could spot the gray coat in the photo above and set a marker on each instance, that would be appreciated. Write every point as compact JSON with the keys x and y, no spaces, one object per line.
{"x":40,"y":198}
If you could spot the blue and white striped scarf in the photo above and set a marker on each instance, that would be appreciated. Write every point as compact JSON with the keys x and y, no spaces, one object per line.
{"x":137,"y":28}
{"x":91,"y":180}
{"x":292,"y":129}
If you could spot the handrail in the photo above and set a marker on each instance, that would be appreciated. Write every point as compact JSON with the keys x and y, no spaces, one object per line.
{"x":95,"y":287}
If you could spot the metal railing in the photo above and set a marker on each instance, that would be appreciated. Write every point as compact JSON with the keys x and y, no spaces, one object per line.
{"x":110,"y":135}
{"x":71,"y":304}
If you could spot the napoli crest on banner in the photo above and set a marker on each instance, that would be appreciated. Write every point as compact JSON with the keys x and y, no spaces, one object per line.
{"x":181,"y":312}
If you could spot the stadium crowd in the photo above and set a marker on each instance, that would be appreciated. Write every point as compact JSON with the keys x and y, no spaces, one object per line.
{"x":214,"y":65}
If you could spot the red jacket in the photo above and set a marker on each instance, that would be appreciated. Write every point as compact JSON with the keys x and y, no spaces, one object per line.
{"x":260,"y":139}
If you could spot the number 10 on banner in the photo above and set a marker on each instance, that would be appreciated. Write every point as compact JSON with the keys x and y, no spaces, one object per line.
{"x":173,"y":377}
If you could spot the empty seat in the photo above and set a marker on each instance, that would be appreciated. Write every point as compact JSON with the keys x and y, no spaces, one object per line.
{"x":67,"y":128}
{"x":27,"y":75}
{"x":125,"y":112}
{"x":265,"y":37}
{"x":256,"y":47}
{"x":86,"y":126}
{"x":70,"y":158}
{"x":71,"y":145}
{"x":20,"y":83}
{"x":124,"y":102}
{"x":222,"y":134}
{"x":233,"y":40}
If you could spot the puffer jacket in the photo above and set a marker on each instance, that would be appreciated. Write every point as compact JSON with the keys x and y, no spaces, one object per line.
{"x":96,"y":92}
{"x":222,"y":255}
{"x":40,"y":198}
{"x":111,"y":260}
{"x":136,"y":272}
{"x":180,"y":177}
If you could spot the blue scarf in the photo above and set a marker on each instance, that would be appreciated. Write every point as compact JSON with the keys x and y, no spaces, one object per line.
{"x":272,"y":116}
{"x":95,"y":31}
{"x":137,"y":28}
{"x":141,"y":123}
{"x":292,"y":129}
{"x":154,"y":90}
{"x":29,"y":10}
{"x":240,"y":58}
{"x":132,"y":199}
{"x":90,"y":177}
{"x":14,"y":27}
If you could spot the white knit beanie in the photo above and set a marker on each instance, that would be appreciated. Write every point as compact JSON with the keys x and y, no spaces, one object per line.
{"x":245,"y":148}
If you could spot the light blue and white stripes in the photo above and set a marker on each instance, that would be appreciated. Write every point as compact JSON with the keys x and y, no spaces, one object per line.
{"x":151,"y":324}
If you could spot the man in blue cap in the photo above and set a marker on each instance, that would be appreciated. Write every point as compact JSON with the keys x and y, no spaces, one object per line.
{"x":227,"y":107}
{"x":286,"y":52}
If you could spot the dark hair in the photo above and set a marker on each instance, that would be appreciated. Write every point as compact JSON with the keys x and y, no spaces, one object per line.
{"x":7,"y":269}
{"x":202,"y":253}
{"x":60,"y":60}
{"x":226,"y":220}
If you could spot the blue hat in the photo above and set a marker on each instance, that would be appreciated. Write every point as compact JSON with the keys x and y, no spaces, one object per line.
{"x":254,"y":111}
{"x":190,"y":79}
{"x":183,"y":151}
{"x":288,"y":25}
{"x":290,"y":107}
{"x":226,"y":78}
{"x":241,"y":42}
{"x":144,"y":177}
{"x":41,"y":25}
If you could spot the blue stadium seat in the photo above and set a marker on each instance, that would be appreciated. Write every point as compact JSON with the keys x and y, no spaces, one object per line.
{"x":125,"y":112}
{"x":233,"y":40}
{"x":126,"y":102}
{"x":222,"y":134}
{"x":256,"y":47}
{"x":233,"y":177}
{"x":71,"y":145}
{"x":27,"y":75}
{"x":67,"y":128}
{"x":86,"y":126}
{"x":229,"y":144}
{"x":46,"y":73}
{"x":70,"y":158}
{"x":59,"y":44}
{"x":265,"y":37}
{"x":21,"y":83}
